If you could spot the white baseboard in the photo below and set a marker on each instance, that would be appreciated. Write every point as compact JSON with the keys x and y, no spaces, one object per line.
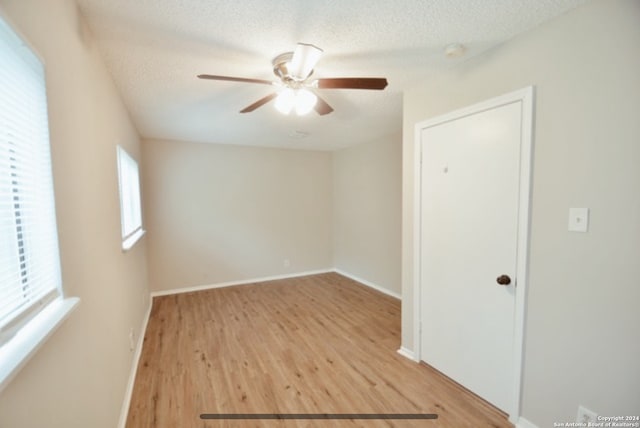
{"x":232,"y":283}
{"x":273,"y":278}
{"x":524,"y":423}
{"x":520,"y":423}
{"x":124,"y":411}
{"x":369,"y":284}
{"x":407,"y":353}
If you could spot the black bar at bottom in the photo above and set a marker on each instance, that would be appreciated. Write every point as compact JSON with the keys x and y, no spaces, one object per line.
{"x":281,"y":416}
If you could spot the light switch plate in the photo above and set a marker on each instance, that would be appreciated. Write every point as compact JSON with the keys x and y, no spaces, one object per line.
{"x":578,"y":219}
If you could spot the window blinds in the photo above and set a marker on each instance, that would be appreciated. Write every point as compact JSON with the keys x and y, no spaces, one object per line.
{"x":29,"y":258}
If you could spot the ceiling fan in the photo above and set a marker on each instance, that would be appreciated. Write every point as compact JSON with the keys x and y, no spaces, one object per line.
{"x":296,"y":88}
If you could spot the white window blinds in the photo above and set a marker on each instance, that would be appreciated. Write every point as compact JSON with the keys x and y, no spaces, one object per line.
{"x":29,"y":258}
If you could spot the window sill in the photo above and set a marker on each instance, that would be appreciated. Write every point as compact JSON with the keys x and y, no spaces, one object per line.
{"x":19,"y":349}
{"x":128,"y":243}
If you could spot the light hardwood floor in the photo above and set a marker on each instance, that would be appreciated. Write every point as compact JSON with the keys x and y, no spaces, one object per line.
{"x":315,"y":344}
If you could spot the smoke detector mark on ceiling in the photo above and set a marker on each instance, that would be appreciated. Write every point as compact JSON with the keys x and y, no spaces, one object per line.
{"x":298,"y":135}
{"x":455,"y":50}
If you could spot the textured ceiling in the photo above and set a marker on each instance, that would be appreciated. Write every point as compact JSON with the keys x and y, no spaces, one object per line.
{"x":155,"y":48}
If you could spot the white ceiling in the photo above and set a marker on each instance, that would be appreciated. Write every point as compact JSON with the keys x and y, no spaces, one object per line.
{"x":155,"y":48}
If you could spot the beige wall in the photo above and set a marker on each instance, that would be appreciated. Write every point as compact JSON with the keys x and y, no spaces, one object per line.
{"x":218,"y":213}
{"x":583,"y":320}
{"x":78,"y":377}
{"x":367,"y":211}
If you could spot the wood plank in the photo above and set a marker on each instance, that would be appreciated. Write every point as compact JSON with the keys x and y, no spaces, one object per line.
{"x":315,"y":344}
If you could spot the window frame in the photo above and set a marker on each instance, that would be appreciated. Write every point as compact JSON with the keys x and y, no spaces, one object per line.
{"x":30,"y":321}
{"x":129,"y":188}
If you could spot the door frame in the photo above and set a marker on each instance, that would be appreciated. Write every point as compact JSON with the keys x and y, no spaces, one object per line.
{"x":526,"y":97}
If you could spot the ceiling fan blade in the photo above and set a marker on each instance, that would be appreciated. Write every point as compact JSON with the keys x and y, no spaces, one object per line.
{"x":305,"y":58}
{"x":234,"y":79}
{"x":262,"y":101}
{"x":378,"y":83}
{"x":322,"y":107}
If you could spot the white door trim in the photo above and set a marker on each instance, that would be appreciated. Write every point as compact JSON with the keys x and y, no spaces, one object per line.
{"x":526,"y":97}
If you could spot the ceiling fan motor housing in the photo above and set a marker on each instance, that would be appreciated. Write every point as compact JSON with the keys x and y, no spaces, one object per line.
{"x":281,"y":69}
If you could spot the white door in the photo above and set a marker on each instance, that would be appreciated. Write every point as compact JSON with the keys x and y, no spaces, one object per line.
{"x":470,"y":186}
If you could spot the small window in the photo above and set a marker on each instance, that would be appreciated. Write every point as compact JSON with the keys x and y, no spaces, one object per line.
{"x":130,"y":204}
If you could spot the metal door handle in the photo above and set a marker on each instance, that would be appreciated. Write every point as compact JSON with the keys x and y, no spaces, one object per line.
{"x":503,"y":280}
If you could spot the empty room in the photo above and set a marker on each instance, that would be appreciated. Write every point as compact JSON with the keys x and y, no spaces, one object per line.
{"x":272,"y":213}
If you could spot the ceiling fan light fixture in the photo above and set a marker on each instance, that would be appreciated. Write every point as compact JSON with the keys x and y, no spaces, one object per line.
{"x":302,"y":100}
{"x":305,"y":101}
{"x":285,"y":101}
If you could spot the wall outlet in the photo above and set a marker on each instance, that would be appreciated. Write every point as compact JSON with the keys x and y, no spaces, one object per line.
{"x":132,"y":339}
{"x":585,"y":415}
{"x":286,"y":263}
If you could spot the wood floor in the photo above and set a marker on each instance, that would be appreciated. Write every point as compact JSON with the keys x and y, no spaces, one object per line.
{"x":318,"y":344}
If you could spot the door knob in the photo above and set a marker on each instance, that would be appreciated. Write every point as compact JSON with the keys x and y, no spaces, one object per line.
{"x":503,"y":280}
